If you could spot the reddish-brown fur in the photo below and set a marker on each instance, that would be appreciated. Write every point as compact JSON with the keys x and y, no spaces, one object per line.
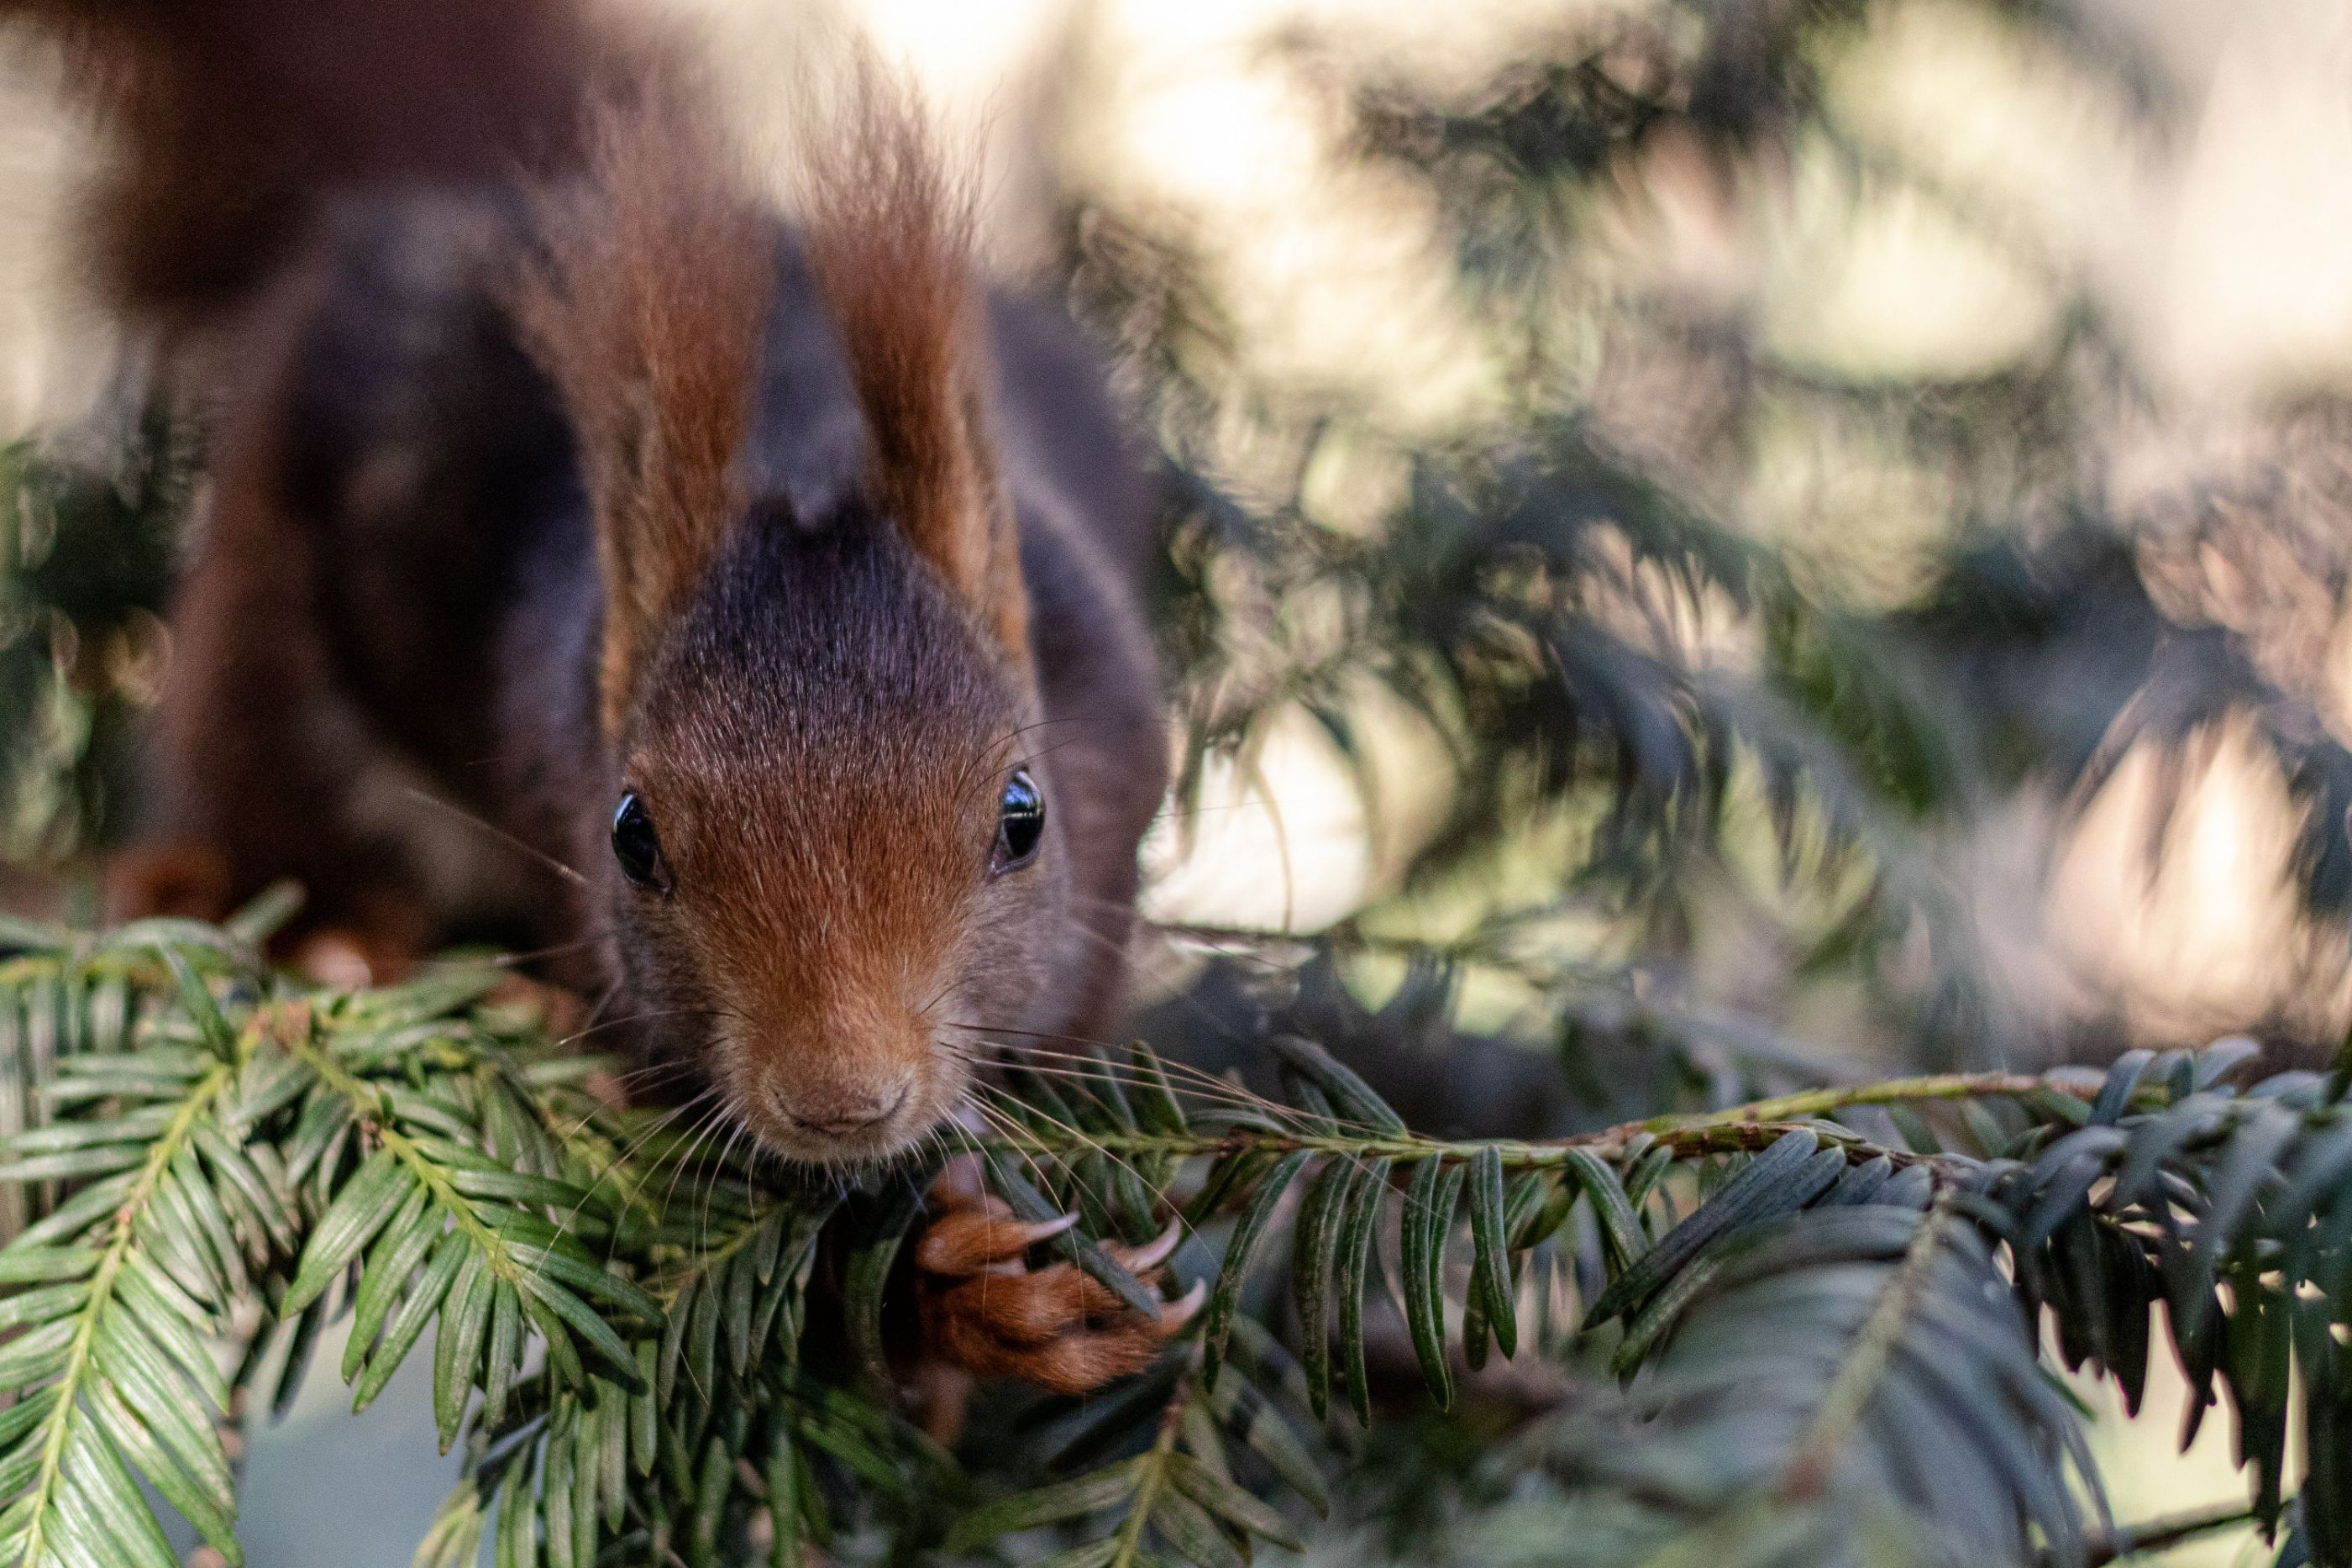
{"x":889,"y":237}
{"x":550,"y":469}
{"x":645,"y":311}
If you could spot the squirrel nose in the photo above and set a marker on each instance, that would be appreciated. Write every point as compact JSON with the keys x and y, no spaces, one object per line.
{"x":845,"y":1111}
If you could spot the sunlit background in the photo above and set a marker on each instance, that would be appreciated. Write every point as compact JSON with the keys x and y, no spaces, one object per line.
{"x":2020,"y":332}
{"x":1983,"y":198}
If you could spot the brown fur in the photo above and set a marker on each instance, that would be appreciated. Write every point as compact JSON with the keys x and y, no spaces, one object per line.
{"x":550,"y":470}
{"x":645,"y":311}
{"x":889,"y":236}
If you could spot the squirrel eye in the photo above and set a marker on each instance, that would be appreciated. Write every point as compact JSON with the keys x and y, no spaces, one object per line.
{"x":1020,"y":822}
{"x":636,"y":846}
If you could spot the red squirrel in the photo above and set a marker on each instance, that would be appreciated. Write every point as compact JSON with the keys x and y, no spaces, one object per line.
{"x":774,"y":582}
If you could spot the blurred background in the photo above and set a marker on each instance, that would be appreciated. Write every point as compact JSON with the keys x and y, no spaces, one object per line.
{"x":1713,"y":543}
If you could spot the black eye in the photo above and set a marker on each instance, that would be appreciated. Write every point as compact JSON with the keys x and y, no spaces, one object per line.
{"x":1020,"y":822}
{"x":637,"y":847}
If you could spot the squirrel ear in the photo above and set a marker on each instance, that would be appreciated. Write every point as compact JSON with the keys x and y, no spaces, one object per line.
{"x":889,"y":238}
{"x":646,"y":308}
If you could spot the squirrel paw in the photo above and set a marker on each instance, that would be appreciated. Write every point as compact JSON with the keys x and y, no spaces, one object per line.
{"x":986,"y":1312}
{"x":180,"y":879}
{"x":188,"y":880}
{"x":352,"y":958}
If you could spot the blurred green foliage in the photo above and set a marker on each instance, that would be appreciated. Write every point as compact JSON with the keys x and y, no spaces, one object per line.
{"x":1771,"y":738}
{"x":86,"y":549}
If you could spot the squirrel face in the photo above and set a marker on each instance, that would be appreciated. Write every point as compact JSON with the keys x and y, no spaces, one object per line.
{"x":835,"y":864}
{"x":829,"y":862}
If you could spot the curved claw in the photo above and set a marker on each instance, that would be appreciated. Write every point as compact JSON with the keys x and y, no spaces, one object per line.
{"x":1179,"y":1313}
{"x":1045,"y":1229}
{"x":1152,"y":1253}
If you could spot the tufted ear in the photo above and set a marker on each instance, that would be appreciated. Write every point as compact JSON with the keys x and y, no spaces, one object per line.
{"x":890,"y":238}
{"x":645,"y":306}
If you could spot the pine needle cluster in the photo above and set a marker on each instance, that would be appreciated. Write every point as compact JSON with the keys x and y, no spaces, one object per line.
{"x":1824,"y":1348}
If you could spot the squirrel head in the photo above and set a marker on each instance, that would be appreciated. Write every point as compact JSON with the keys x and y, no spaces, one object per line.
{"x":834,"y":853}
